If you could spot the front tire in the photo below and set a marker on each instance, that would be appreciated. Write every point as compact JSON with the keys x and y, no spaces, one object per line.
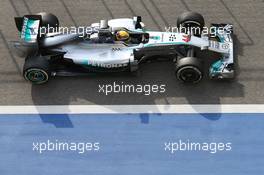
{"x":189,"y":70}
{"x":191,"y":21}
{"x":36,"y":70}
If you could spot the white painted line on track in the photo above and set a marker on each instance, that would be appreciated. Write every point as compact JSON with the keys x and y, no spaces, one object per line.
{"x":132,"y":109}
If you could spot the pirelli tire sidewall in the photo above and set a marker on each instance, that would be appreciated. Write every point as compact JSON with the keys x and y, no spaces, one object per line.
{"x":37,"y":70}
{"x":189,"y":70}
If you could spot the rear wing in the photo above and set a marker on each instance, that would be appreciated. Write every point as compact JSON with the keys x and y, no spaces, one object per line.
{"x":29,"y":27}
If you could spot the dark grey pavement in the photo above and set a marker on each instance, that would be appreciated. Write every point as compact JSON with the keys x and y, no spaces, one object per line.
{"x":246,"y":15}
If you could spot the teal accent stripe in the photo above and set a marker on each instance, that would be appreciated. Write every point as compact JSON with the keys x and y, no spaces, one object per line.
{"x":169,"y":43}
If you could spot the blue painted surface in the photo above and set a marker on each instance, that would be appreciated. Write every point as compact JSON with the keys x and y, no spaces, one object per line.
{"x":132,"y":144}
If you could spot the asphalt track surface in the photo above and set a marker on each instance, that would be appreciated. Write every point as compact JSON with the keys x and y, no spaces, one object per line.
{"x":130,"y":144}
{"x":246,"y":15}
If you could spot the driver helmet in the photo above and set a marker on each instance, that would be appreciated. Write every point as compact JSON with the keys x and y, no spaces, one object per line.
{"x":122,"y":35}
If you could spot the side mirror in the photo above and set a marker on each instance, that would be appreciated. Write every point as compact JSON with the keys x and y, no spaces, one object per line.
{"x":103,"y":24}
{"x":138,"y":20}
{"x":142,"y":25}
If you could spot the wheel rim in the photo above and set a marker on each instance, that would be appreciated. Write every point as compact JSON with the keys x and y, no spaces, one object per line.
{"x":193,"y":26}
{"x":189,"y":74}
{"x":36,"y":76}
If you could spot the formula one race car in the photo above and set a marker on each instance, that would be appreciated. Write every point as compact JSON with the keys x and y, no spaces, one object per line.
{"x":119,"y":45}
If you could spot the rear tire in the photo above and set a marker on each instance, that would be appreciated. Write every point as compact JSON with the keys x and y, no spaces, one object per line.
{"x":49,"y":23}
{"x":49,"y":19}
{"x":189,"y":70}
{"x":36,"y":70}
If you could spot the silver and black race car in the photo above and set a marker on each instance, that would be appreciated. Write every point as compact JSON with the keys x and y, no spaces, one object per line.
{"x":55,"y":53}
